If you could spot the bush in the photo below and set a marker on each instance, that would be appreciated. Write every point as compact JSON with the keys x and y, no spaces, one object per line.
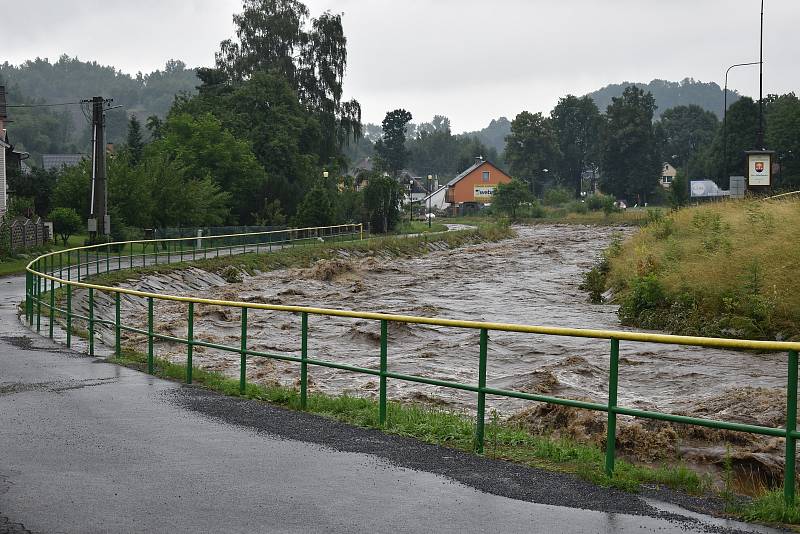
{"x":576,"y":206}
{"x":645,"y":293}
{"x":66,"y":222}
{"x":557,"y":196}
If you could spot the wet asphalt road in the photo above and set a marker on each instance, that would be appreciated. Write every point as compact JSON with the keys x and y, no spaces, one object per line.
{"x":87,"y":446}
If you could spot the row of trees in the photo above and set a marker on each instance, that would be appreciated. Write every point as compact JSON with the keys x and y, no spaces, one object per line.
{"x":252,"y":145}
{"x":628,"y":147}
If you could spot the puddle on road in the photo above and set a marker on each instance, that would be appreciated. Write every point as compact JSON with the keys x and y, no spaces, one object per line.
{"x":533,"y":279}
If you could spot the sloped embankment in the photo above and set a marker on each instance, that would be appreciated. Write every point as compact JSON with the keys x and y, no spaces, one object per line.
{"x":725,"y":269}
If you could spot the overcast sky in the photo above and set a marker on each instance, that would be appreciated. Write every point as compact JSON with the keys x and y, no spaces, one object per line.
{"x":468,"y":59}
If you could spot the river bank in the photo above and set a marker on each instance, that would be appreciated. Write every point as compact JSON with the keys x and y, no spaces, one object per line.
{"x":533,"y":278}
{"x":724,"y":269}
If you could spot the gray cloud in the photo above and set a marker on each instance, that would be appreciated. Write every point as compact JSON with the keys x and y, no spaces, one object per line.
{"x":470,"y":60}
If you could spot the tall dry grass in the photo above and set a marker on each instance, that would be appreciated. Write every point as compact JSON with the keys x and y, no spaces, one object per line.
{"x":727,"y":268}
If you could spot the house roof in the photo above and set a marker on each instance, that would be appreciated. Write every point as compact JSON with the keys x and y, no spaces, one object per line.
{"x":474,"y":166}
{"x":56,"y":161}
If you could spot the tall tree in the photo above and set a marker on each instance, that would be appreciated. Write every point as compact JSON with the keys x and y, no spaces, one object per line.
{"x":382,"y":198}
{"x":683,"y":132}
{"x":283,"y":135}
{"x":631,"y":162}
{"x":204,"y":148}
{"x":135,"y":142}
{"x":783,"y":136}
{"x":531,"y":149}
{"x":742,"y":134}
{"x":577,"y":124}
{"x":391,"y":148}
{"x":277,"y":36}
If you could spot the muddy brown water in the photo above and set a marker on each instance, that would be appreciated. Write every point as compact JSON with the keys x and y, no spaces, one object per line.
{"x":533,"y":279}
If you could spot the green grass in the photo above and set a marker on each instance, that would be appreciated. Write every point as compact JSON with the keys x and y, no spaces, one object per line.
{"x":455,"y":430}
{"x":718,"y":269}
{"x":16,"y":264}
{"x":419,"y":227}
{"x":768,"y":508}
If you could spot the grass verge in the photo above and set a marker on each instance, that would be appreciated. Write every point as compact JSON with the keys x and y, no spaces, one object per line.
{"x":503,"y":440}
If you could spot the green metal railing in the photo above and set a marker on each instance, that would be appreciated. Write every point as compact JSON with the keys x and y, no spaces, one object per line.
{"x":45,"y":268}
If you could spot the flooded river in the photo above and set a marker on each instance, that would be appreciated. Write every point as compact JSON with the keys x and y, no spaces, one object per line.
{"x":533,"y":279}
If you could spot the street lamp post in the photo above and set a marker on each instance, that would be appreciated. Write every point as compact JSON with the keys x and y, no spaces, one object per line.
{"x":429,"y":201}
{"x":410,"y":200}
{"x":725,"y":116}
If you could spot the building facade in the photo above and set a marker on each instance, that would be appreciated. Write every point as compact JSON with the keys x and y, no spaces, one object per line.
{"x":668,"y":173}
{"x":475,"y":186}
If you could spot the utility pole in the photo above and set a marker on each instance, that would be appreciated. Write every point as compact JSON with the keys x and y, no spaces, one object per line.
{"x":761,"y":83}
{"x":99,"y":222}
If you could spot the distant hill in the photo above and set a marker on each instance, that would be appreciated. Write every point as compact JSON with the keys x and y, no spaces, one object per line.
{"x":494,"y":135}
{"x":708,"y":96}
{"x":70,"y":80}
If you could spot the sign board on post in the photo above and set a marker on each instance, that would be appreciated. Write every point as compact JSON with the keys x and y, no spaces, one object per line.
{"x":759,"y":169}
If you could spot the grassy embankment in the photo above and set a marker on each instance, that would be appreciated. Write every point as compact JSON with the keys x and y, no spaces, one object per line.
{"x":724,"y":269}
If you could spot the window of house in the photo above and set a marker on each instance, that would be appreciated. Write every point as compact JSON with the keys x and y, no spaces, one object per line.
{"x":485,"y":176}
{"x":666,"y":179}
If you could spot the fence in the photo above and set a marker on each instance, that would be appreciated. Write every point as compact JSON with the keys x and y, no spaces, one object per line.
{"x":45,"y":268}
{"x":21,"y":233}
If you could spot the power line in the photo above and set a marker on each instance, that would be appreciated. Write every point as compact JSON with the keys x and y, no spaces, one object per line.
{"x":42,"y":105}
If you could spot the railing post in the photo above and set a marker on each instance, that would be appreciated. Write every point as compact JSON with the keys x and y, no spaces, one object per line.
{"x":108,"y":257}
{"x":189,"y":343}
{"x":69,"y":266}
{"x":117,"y":326}
{"x":38,"y":301}
{"x":52,"y":306}
{"x":303,"y":362}
{"x":79,"y":264}
{"x":383,"y":369}
{"x":69,"y":316}
{"x":27,"y":297}
{"x":150,"y":335}
{"x":484,"y":342}
{"x":611,"y":430}
{"x":791,"y":426}
{"x":243,"y":356}
{"x":91,"y":322}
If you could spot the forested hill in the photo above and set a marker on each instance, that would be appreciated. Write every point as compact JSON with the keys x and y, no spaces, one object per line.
{"x":494,"y":135}
{"x":708,"y":96}
{"x":69,"y":80}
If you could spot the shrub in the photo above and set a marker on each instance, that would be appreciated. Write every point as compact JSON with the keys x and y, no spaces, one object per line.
{"x":556,"y":196}
{"x":66,"y":222}
{"x":645,"y":293}
{"x":576,"y":206}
